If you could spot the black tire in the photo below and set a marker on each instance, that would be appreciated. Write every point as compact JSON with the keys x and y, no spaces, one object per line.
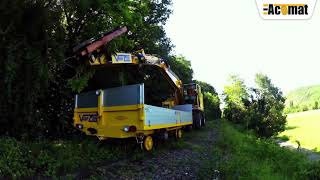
{"x":203,"y":119}
{"x":188,"y":128}
{"x":197,"y":120}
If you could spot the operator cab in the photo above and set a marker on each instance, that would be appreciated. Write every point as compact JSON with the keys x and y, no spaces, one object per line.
{"x":191,"y":94}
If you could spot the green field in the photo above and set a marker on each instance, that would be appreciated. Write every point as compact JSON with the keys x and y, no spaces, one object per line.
{"x":305,"y":128}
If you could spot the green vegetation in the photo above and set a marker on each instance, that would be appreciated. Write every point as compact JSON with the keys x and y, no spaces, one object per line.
{"x":182,"y":68}
{"x":39,"y":77}
{"x":69,"y":157}
{"x":262,"y":112}
{"x":36,"y":41}
{"x":211,"y":101}
{"x":50,"y":158}
{"x":241,"y":155}
{"x":303,"y":99}
{"x":304,"y":127}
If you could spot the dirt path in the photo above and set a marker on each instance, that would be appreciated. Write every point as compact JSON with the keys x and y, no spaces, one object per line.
{"x":310,"y":154}
{"x":183,"y":161}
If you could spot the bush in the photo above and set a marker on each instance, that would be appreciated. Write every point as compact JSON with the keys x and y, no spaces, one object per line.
{"x":211,"y":106}
{"x":211,"y":101}
{"x":313,"y":171}
{"x":49,"y":158}
{"x":234,"y":114}
{"x":262,"y":112}
{"x":14,"y":158}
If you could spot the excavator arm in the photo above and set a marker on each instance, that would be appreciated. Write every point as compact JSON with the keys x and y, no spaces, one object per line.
{"x":88,"y":49}
{"x":93,"y":44}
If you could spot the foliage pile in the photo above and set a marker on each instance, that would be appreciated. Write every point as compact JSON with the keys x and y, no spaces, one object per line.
{"x":303,"y":99}
{"x":241,"y":155}
{"x":259,"y":109}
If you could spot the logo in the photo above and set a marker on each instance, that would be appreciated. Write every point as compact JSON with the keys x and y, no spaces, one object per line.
{"x":89,"y":117}
{"x":286,"y":9}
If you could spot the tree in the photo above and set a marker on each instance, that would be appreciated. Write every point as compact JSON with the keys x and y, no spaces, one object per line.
{"x":236,"y":92}
{"x":30,"y":49}
{"x":211,"y":106}
{"x":36,"y":37}
{"x":182,"y":68}
{"x":211,"y":101}
{"x":291,"y":104}
{"x":265,"y":112}
{"x":235,"y":98}
{"x":262,"y":112}
{"x":316,"y":105}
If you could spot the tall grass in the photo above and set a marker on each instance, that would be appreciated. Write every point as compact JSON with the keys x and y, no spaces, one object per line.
{"x":241,"y":155}
{"x":50,"y":158}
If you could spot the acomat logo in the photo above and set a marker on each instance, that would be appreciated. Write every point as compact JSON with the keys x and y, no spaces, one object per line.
{"x":286,"y":9}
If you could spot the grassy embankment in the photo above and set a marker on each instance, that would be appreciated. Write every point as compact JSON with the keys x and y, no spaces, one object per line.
{"x":68,"y":158}
{"x":304,"y":127}
{"x":244,"y":156}
{"x":236,"y":154}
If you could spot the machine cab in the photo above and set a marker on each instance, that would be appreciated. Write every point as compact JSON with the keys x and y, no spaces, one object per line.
{"x":193,"y":95}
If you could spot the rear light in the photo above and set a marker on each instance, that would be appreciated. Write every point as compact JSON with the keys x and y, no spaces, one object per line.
{"x":130,"y":129}
{"x":79,"y":126}
{"x":97,"y":92}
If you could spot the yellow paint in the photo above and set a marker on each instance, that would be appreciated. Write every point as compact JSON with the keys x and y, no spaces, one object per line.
{"x":124,"y":108}
{"x":169,"y":103}
{"x":148,"y":143}
{"x":178,"y":133}
{"x":112,"y":120}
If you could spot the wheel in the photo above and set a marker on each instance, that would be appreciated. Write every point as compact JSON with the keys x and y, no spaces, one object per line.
{"x":178,"y":134}
{"x":148,"y":143}
{"x":163,"y":135}
{"x":197,"y":120}
{"x":188,"y":128}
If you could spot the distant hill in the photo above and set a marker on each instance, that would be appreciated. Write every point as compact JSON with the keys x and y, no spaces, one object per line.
{"x":303,"y":99}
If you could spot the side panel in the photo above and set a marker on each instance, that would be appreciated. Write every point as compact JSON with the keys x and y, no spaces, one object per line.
{"x":86,"y":100}
{"x":125,"y":95}
{"x":158,"y":117}
{"x":185,"y":107}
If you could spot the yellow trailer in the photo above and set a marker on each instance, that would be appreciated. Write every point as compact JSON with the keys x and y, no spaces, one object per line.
{"x":122,"y":113}
{"x":128,"y":105}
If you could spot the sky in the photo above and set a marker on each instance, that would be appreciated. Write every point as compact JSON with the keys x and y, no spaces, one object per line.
{"x":229,"y":37}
